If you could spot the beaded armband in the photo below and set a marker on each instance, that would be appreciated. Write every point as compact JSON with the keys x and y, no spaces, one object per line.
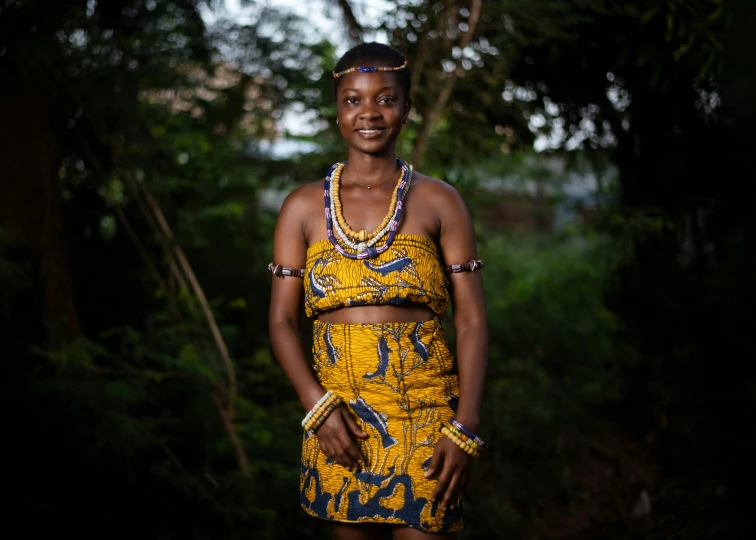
{"x":470,"y":266}
{"x":282,"y":271}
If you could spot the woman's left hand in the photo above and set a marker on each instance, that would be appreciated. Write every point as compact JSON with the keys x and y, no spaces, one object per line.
{"x":455,"y":466}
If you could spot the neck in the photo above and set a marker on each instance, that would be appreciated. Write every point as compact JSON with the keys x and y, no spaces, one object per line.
{"x":370,"y":169}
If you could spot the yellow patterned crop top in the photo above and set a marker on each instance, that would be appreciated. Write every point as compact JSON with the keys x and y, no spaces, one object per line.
{"x":409,"y":271}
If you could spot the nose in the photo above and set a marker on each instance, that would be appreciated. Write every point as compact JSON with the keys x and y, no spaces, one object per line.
{"x":369,"y":112}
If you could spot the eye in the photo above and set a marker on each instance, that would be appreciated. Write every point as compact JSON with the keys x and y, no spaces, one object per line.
{"x":350,"y":100}
{"x":387,"y":100}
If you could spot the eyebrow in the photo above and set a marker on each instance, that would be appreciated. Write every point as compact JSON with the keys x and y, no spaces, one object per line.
{"x":378,"y":92}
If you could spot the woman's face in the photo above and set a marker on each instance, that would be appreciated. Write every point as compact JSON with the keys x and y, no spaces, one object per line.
{"x":371,"y":108}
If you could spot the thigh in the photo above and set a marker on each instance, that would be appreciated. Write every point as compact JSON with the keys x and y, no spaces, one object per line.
{"x":408,"y":533}
{"x":360,"y":531}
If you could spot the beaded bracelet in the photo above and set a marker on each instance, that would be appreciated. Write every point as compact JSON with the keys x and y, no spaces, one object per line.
{"x":317,"y":406}
{"x":320,"y":412}
{"x":462,"y":437}
{"x":317,"y":421}
{"x":319,"y":418}
{"x":461,"y":428}
{"x":459,"y":442}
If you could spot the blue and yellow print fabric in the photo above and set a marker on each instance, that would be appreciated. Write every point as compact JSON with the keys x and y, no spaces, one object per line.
{"x":399,"y":380}
{"x":409,"y":271}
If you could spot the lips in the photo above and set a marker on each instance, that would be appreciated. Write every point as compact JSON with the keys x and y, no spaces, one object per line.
{"x":370,"y":133}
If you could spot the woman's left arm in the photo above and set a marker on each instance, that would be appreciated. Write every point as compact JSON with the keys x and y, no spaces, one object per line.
{"x":458,"y":245}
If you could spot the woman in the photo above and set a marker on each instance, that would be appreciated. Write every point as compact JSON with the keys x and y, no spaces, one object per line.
{"x":389,"y":433}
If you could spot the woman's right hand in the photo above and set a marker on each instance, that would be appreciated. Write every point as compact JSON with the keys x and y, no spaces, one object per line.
{"x":335,"y":438}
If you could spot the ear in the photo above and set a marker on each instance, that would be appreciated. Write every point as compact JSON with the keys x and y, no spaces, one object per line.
{"x":407,"y":108}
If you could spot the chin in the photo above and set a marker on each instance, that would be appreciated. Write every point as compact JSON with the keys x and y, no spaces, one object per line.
{"x":377,"y":148}
{"x":381,"y":151}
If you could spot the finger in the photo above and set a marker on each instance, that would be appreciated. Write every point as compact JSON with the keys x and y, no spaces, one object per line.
{"x":352,"y":425}
{"x":344,"y":457}
{"x":434,"y":462}
{"x":329,"y":444}
{"x":325,"y":448}
{"x":464,"y":482}
{"x":351,"y":455}
{"x":350,"y":449}
{"x":450,"y":497}
{"x":443,"y":482}
{"x":334,"y":431}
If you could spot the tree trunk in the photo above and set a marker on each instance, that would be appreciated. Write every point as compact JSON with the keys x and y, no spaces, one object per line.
{"x":434,"y":112}
{"x":30,"y":205}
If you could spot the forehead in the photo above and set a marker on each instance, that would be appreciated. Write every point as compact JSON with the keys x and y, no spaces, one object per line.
{"x":369,"y":82}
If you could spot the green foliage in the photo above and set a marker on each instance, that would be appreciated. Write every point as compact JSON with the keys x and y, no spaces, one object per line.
{"x":556,"y":359}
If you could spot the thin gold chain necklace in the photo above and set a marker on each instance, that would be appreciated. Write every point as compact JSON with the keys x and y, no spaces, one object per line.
{"x":363,"y":185}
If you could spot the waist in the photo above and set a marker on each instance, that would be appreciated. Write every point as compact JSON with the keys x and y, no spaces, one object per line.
{"x":378,"y":314}
{"x":385,"y":362}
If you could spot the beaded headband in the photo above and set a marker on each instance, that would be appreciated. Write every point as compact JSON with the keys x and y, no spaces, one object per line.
{"x":368,"y":69}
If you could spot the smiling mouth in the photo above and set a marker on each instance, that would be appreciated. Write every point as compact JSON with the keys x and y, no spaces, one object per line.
{"x":370,"y":132}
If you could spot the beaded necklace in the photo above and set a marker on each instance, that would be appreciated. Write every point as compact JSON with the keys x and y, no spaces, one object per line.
{"x":335,"y":204}
{"x":364,"y":251}
{"x":336,"y":212}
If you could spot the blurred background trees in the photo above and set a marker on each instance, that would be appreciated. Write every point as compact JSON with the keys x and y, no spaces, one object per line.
{"x":602,"y":146}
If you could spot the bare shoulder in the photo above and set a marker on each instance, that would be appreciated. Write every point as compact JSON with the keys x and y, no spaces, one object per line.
{"x":302,"y":211}
{"x":442,"y":196}
{"x":443,"y":206}
{"x":299,"y":204}
{"x":303,"y":197}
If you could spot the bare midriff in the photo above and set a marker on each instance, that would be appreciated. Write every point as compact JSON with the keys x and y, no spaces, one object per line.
{"x":378,"y":314}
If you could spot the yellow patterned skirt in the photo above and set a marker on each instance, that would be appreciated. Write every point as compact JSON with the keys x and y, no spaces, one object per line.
{"x":400,"y":381}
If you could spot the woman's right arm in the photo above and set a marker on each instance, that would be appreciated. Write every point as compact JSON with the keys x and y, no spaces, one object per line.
{"x":290,"y":249}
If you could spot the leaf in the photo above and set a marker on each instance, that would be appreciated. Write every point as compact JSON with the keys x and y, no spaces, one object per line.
{"x":190,"y":360}
{"x":188,"y":354}
{"x":238,"y":303}
{"x":231,"y":209}
{"x":649,"y":14}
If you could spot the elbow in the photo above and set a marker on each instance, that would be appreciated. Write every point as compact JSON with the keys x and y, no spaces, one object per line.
{"x":282,"y":323}
{"x":471,"y":321}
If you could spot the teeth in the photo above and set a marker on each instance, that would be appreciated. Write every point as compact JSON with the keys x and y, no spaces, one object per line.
{"x":369,"y":130}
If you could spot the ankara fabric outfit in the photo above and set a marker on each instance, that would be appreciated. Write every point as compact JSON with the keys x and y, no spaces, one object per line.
{"x":398,"y":379}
